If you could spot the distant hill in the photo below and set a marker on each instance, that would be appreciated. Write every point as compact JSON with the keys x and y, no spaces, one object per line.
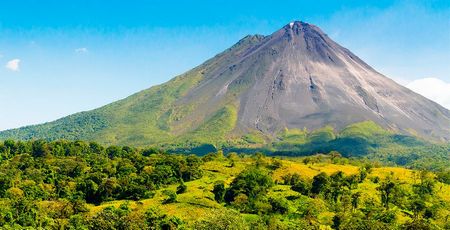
{"x":264,"y":92}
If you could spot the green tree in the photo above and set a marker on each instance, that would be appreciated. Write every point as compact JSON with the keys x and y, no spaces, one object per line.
{"x":181,"y":188}
{"x":251,"y":182}
{"x":301,"y":186}
{"x":279,"y":205}
{"x":386,"y":190}
{"x":155,"y":219}
{"x":320,"y":184}
{"x":219,"y":191}
{"x":39,"y":148}
{"x":110,"y":218}
{"x":171,"y":196}
{"x":355,"y":199}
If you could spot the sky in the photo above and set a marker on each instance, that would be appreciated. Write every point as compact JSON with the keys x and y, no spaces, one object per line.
{"x":62,"y":57}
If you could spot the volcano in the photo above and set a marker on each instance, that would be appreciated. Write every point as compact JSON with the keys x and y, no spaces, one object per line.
{"x":295,"y":78}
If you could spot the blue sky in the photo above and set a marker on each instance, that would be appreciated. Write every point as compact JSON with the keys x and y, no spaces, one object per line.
{"x":61,"y":57}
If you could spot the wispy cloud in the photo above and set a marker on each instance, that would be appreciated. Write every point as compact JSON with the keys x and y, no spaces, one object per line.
{"x":81,"y":50}
{"x":13,"y":65}
{"x":432,"y":88}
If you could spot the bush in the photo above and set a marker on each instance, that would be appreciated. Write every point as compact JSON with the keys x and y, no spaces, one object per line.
{"x":219,"y":191}
{"x":418,"y":224}
{"x":301,"y":187}
{"x":279,"y":205}
{"x":221,"y":219}
{"x":181,"y":188}
{"x":155,"y":219}
{"x":110,"y":218}
{"x":171,"y":196}
{"x":444,"y":176}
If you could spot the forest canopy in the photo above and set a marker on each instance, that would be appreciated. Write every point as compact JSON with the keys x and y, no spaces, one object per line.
{"x":84,"y":185}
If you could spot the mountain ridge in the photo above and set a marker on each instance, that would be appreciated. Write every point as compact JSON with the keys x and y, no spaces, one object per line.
{"x":295,"y":78}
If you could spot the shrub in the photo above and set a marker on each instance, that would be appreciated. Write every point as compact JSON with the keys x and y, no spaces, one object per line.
{"x":181,"y":188}
{"x":171,"y":196}
{"x":221,"y":219}
{"x":279,"y":205}
{"x":302,"y":187}
{"x":219,"y":191}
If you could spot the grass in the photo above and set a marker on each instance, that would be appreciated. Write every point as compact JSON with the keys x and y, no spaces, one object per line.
{"x":216,"y":127}
{"x":310,"y":170}
{"x":365,"y":129}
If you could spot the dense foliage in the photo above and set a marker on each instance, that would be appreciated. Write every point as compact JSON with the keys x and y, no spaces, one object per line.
{"x":359,"y":140}
{"x":72,"y":174}
{"x":363,"y":140}
{"x":79,"y":185}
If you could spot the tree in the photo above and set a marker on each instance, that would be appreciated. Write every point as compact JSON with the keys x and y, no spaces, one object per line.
{"x":241,"y":202}
{"x":39,"y":148}
{"x":279,"y":205}
{"x":193,"y":170}
{"x":291,"y":179}
{"x":337,"y":221}
{"x":362,"y":174}
{"x":336,"y":186}
{"x":9,"y":148}
{"x":276,"y":164}
{"x":171,"y":196}
{"x":386,"y":189}
{"x":424,"y":188}
{"x":155,"y":219}
{"x":181,"y":188}
{"x":301,"y":186}
{"x":417,"y":206}
{"x":110,"y":218}
{"x":77,"y":222}
{"x":251,"y":182}
{"x":355,"y":199}
{"x":96,"y":148}
{"x":417,"y":224}
{"x":306,"y":160}
{"x":219,"y":191}
{"x":334,"y":156}
{"x":89,"y":189}
{"x":309,"y":209}
{"x":114,"y":151}
{"x":321,"y":183}
{"x":443,"y":176}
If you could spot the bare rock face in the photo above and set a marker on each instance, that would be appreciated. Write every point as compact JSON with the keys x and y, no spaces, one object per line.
{"x":298,"y":77}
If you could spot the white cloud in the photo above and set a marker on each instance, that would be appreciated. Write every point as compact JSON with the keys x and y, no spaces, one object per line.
{"x":13,"y":65}
{"x":401,"y":81}
{"x":432,"y":88}
{"x":81,"y":50}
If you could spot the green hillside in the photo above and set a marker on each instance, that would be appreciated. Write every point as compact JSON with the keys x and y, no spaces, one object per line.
{"x":365,"y":139}
{"x":79,"y":185}
{"x":154,"y":115}
{"x":140,"y":119}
